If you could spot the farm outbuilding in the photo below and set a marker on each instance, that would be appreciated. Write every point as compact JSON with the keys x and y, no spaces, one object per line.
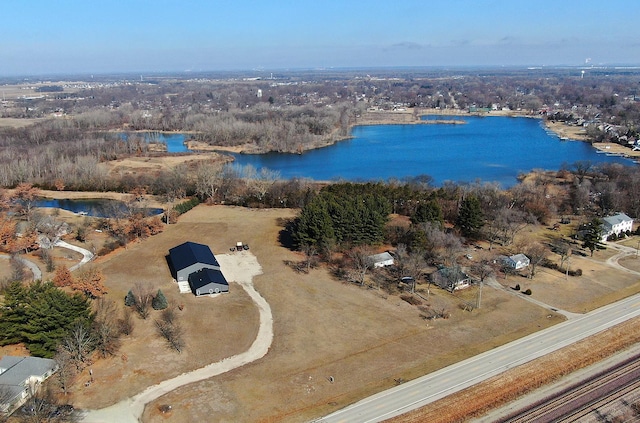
{"x":187,"y":262}
{"x":208,"y":281}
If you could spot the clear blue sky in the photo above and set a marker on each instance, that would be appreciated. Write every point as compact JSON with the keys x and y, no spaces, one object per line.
{"x":94,"y":36}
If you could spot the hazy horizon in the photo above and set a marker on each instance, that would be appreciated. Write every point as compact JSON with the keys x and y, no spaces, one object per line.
{"x":162,"y":36}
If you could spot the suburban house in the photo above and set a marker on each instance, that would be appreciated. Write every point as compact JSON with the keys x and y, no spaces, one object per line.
{"x":381,"y":260}
{"x":616,"y":225}
{"x":20,"y":377}
{"x":451,"y":278}
{"x":517,"y":261}
{"x":187,"y":262}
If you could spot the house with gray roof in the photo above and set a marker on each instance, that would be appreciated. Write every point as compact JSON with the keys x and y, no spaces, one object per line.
{"x":195,"y":263}
{"x":451,"y":278}
{"x":20,"y":377}
{"x":616,"y":224}
{"x":517,"y":261}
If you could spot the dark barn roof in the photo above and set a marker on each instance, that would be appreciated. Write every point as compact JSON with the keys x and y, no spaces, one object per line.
{"x":206,"y":276}
{"x":189,"y":253}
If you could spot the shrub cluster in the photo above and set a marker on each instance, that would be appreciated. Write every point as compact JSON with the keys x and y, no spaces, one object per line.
{"x":411,"y":299}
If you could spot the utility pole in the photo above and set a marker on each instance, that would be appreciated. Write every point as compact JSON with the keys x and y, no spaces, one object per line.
{"x":479,"y":303}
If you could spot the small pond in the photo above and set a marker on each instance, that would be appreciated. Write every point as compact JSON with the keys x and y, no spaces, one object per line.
{"x":95,"y":207}
{"x":175,"y":142}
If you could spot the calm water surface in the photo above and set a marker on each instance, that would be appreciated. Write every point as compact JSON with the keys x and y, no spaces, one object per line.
{"x":96,"y":207}
{"x":486,"y":148}
{"x":174,"y":142}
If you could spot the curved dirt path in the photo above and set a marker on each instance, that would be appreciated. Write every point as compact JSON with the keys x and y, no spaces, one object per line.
{"x":87,"y":255}
{"x":624,"y":251}
{"x":35,"y":270}
{"x":241,"y":268}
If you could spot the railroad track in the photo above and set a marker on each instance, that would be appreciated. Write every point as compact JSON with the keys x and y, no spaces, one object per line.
{"x":575,"y":403}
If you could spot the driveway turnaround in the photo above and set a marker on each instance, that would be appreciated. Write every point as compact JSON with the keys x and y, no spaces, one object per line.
{"x":241,"y":268}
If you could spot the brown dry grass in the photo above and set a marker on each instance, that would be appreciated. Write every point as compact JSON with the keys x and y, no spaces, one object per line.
{"x":17,"y":123}
{"x":501,"y":389}
{"x":154,"y":164}
{"x":364,"y":338}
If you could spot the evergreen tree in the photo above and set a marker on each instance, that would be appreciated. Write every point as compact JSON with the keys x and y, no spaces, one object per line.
{"x":593,"y":238}
{"x":345,"y":213}
{"x":129,"y":299}
{"x":428,"y":212}
{"x":40,"y":316}
{"x":314,"y":225}
{"x":159,"y":302}
{"x":470,"y":217}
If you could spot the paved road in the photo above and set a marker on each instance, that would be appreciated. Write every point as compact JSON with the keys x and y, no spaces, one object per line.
{"x":437,"y":385}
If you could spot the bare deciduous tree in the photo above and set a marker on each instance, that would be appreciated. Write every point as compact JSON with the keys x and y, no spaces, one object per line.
{"x":536,"y":252}
{"x":143,"y":295}
{"x":125,"y":324}
{"x":105,"y":327}
{"x":171,"y":330}
{"x":208,"y":180}
{"x":79,"y":343}
{"x":66,"y":369}
{"x":410,"y":264}
{"x":360,"y":263}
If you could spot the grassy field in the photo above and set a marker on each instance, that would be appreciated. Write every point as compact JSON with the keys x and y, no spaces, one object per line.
{"x":364,"y":338}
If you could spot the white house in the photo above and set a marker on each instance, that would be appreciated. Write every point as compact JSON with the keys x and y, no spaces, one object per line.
{"x":616,"y":225}
{"x":381,"y":260}
{"x":517,"y":261}
{"x":20,"y":377}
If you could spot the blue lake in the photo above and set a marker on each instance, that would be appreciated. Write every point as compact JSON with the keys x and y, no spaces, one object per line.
{"x":492,"y":149}
{"x":92,"y":207}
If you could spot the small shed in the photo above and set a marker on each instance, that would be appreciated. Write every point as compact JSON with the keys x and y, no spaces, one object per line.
{"x":381,"y":260}
{"x":191,"y":257}
{"x":208,"y":281}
